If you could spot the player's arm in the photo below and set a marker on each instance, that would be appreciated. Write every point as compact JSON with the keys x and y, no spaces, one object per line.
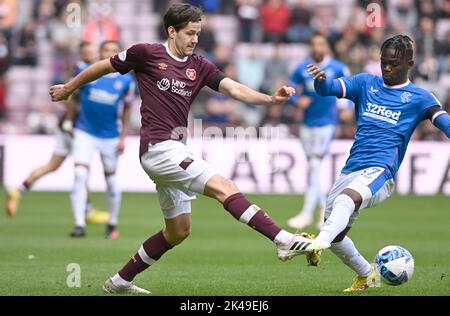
{"x":70,"y":116}
{"x":247,"y":95}
{"x":323,"y":85}
{"x":440,"y":119}
{"x":126,"y":114}
{"x":300,"y":100}
{"x":62,"y":92}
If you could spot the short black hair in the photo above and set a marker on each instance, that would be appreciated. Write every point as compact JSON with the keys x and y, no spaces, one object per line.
{"x":179,"y":15}
{"x":83,"y":44}
{"x":402,"y":45}
{"x":104,"y":43}
{"x":318,"y":34}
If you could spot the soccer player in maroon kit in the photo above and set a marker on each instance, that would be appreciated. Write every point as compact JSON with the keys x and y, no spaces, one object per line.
{"x":169,"y":77}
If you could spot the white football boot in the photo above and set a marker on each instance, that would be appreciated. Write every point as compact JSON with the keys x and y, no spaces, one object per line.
{"x":110,"y":287}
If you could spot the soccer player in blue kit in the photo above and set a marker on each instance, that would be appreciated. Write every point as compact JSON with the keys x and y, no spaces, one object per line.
{"x":319,"y":124}
{"x":97,"y":129}
{"x":387,"y":110}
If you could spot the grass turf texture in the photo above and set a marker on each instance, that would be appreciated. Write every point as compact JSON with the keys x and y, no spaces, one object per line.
{"x":221,"y":257}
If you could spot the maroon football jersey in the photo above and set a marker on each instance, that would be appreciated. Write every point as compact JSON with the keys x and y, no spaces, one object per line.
{"x":167,"y":85}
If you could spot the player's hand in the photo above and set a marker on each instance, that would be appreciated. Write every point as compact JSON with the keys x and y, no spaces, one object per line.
{"x":121,"y":146}
{"x":304,"y":102}
{"x":282,"y":95}
{"x":316,"y":72}
{"x":59,"y":92}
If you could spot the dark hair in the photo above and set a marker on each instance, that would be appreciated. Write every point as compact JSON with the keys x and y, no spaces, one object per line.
{"x":318,"y":34}
{"x":83,"y":44}
{"x":402,"y":45}
{"x":104,"y":43}
{"x":179,"y":15}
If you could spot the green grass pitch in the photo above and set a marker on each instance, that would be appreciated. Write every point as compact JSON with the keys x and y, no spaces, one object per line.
{"x":221,"y":257}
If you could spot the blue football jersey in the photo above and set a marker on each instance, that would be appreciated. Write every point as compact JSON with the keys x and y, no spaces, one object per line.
{"x":386,"y":117}
{"x":322,"y":110}
{"x":100,"y":101}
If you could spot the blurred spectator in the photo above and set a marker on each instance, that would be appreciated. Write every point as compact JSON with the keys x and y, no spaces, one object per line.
{"x":426,"y":42}
{"x":25,"y":51}
{"x":275,"y":70}
{"x":7,"y":17}
{"x":43,"y":121}
{"x":44,"y":11}
{"x":208,"y":6}
{"x":402,"y":15}
{"x":250,"y":71}
{"x":372,"y":65}
{"x":219,"y":109}
{"x":427,"y":8}
{"x":251,"y":68}
{"x":101,"y":27}
{"x":275,"y":17}
{"x":2,"y":97}
{"x":206,"y":41}
{"x":248,"y":14}
{"x":299,"y":26}
{"x":65,"y":40}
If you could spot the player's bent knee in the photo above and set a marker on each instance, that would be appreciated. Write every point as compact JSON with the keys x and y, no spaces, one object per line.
{"x":341,"y":236}
{"x":177,"y":236}
{"x":220,"y":188}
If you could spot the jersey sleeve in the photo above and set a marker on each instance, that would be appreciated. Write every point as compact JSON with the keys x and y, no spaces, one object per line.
{"x":427,"y":101}
{"x":296,"y":80}
{"x":131,"y":59}
{"x":351,"y":86}
{"x":129,"y":91}
{"x":210,"y":73}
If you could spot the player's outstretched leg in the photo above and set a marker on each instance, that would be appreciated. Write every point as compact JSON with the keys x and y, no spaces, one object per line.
{"x":15,"y":194}
{"x":366,"y":275}
{"x":79,"y":200}
{"x":313,"y":196}
{"x":177,"y":229}
{"x":226,"y":192}
{"x":336,"y":223}
{"x":114,"y":198}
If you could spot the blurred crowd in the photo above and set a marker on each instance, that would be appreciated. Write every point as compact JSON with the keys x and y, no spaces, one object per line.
{"x":269,"y":38}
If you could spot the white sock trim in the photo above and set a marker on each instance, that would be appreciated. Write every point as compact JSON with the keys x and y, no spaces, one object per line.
{"x":145,"y":257}
{"x":249,"y":213}
{"x":117,"y":280}
{"x":283,"y":238}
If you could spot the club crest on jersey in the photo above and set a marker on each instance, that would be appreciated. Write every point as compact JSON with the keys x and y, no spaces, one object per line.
{"x":163,"y":84}
{"x":191,"y":73}
{"x":405,"y":97}
{"x":162,"y":66}
{"x":122,"y":55}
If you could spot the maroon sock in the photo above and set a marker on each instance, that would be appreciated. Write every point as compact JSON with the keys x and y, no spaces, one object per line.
{"x":153,"y":248}
{"x":237,"y":204}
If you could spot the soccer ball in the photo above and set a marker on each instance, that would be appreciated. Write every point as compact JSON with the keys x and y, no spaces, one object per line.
{"x":395,"y":265}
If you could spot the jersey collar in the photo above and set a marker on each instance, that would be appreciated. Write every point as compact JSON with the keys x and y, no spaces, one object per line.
{"x":166,"y":45}
{"x":397,"y":86}
{"x":325,"y":62}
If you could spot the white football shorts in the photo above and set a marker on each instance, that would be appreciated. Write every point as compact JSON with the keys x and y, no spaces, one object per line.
{"x":316,"y":140}
{"x":178,"y":175}
{"x":63,"y":143}
{"x":85,"y":145}
{"x":374,"y":184}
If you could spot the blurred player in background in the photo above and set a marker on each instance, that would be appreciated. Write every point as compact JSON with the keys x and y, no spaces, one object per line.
{"x":63,"y":147}
{"x":319,"y":125}
{"x":170,"y":76}
{"x":387,"y":109}
{"x":97,"y":129}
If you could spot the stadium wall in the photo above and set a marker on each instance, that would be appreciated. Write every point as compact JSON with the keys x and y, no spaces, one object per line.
{"x":257,"y":166}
